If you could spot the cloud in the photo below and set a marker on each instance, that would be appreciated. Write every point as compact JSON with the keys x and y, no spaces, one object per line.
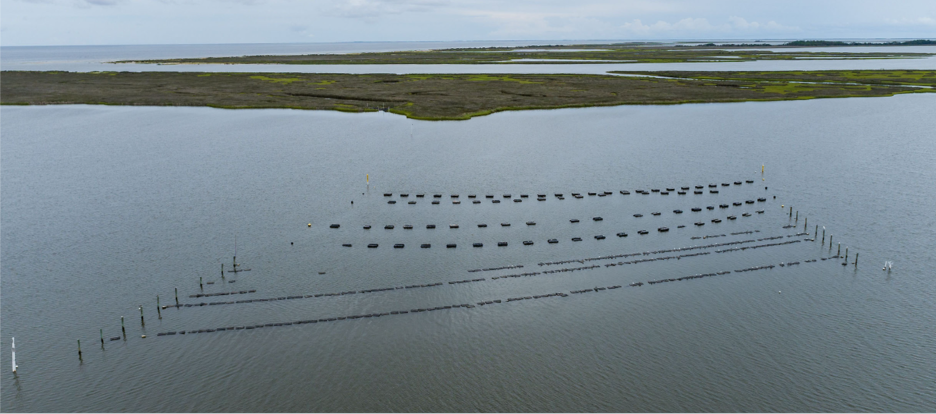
{"x":693,"y":27}
{"x":522,"y":23}
{"x":919,"y":21}
{"x":372,"y":9}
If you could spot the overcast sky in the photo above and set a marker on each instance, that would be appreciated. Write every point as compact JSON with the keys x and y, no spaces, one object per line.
{"x":96,"y":22}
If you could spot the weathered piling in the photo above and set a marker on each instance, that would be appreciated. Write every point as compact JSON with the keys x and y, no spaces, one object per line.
{"x":823,"y":236}
{"x":122,"y":328}
{"x":142,"y":322}
{"x":816,"y":234}
{"x":79,"y":349}
{"x":177,"y":296}
{"x":102,"y":338}
{"x":158,"y":311}
{"x":839,"y":253}
{"x":856,"y":260}
{"x":791,"y":211}
{"x":805,"y":223}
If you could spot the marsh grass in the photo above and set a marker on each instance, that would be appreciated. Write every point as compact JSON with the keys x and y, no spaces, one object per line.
{"x":444,"y":96}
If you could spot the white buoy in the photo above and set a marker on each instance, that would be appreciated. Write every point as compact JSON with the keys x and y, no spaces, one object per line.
{"x":14,"y":355}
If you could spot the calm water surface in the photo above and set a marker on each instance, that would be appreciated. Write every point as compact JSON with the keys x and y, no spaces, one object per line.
{"x":97,"y":58}
{"x":104,"y":208}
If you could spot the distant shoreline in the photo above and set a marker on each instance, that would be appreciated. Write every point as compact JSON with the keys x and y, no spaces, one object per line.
{"x":636,"y":52}
{"x":447,"y":96}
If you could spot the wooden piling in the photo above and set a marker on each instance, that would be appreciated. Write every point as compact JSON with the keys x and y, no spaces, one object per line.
{"x":200,"y":285}
{"x":122,"y":328}
{"x":79,"y":349}
{"x":791,"y":211}
{"x":102,"y":338}
{"x":839,"y":252}
{"x":158,"y":310}
{"x":797,"y":216}
{"x":177,"y":297}
{"x":830,"y":242}
{"x":846,"y":255}
{"x":805,"y":223}
{"x":142,"y":322}
{"x":823,"y":236}
{"x":817,"y":233}
{"x":856,"y":260}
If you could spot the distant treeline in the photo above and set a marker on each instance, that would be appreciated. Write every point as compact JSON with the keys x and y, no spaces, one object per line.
{"x":812,"y":43}
{"x":818,"y":43}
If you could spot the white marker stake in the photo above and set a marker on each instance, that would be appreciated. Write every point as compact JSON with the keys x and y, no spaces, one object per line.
{"x":14,"y":355}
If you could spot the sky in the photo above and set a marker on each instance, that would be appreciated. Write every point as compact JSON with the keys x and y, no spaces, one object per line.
{"x":115,"y":22}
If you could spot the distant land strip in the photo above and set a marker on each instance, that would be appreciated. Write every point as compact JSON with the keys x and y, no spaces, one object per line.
{"x":447,"y":96}
{"x":637,"y":52}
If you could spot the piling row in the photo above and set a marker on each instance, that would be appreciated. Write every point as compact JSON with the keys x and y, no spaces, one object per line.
{"x":708,"y":237}
{"x":735,"y":249}
{"x":205,"y":295}
{"x":526,"y":274}
{"x":488,"y":269}
{"x":549,"y":295}
{"x":655,"y":259}
{"x":696,"y":276}
{"x":466,"y":281}
{"x":470,"y":306}
{"x":516,"y":275}
{"x":617,"y":256}
{"x":317,"y":295}
{"x":569,"y":269}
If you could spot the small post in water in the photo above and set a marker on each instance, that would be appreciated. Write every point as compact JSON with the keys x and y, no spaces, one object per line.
{"x":839,"y":252}
{"x":791,"y":211}
{"x":805,"y":223}
{"x":830,"y":242}
{"x":177,"y":297}
{"x":797,"y":216}
{"x":122,"y":328}
{"x":14,"y":355}
{"x":158,"y":310}
{"x":200,"y":285}
{"x":823,"y":235}
{"x":856,"y":260}
{"x":79,"y":349}
{"x":816,"y":234}
{"x":142,"y":322}
{"x":102,"y":339}
{"x":846,"y":255}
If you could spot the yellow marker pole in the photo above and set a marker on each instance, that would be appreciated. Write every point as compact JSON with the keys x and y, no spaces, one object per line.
{"x":368,"y":178}
{"x":762,"y":168}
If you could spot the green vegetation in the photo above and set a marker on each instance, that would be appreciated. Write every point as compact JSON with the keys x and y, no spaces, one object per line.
{"x":864,"y":77}
{"x":447,"y":96}
{"x":556,"y":54}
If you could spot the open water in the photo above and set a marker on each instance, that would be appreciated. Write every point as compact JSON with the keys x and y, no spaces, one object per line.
{"x":100,"y":58}
{"x":104,"y":208}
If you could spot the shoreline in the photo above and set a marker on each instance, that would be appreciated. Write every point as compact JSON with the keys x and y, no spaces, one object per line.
{"x":442,"y":97}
